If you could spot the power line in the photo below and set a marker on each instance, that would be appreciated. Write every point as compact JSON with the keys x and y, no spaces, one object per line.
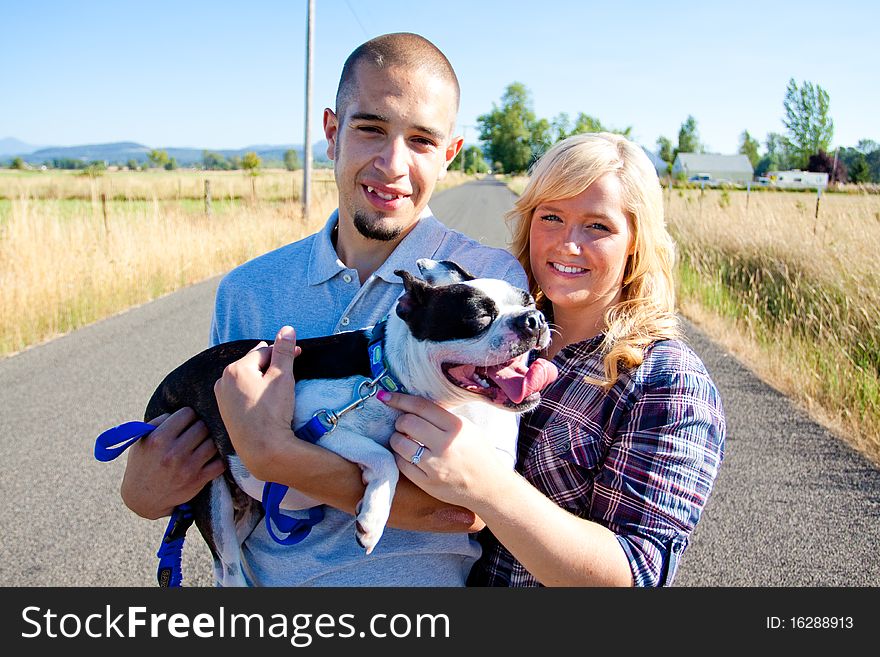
{"x":363,"y":29}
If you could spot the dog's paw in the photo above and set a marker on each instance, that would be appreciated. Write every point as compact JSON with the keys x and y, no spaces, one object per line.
{"x":368,"y":527}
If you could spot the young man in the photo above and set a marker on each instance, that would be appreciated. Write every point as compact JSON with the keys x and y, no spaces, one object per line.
{"x":391,"y":138}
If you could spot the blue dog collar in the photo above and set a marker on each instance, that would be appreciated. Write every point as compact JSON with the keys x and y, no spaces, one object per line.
{"x":378,"y":363}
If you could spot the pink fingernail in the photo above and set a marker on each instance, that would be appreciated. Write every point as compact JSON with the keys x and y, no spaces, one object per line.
{"x":383,"y":395}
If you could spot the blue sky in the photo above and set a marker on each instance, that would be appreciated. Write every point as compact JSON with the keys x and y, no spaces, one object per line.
{"x":218,"y":74}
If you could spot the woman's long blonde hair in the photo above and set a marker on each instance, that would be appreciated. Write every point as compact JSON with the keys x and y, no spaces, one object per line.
{"x":646,"y":311}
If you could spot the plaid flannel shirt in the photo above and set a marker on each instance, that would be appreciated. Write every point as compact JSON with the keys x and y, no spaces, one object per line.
{"x":640,"y":460}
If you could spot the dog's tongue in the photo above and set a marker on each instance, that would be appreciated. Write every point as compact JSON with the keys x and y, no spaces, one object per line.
{"x":518,"y":381}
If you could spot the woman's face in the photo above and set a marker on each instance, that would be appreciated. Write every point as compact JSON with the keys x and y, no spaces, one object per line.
{"x":578,"y":250}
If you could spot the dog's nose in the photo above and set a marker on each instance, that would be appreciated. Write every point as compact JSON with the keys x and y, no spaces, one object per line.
{"x":530,"y":324}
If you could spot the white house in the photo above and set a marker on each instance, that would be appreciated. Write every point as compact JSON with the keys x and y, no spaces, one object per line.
{"x":798,"y":179}
{"x":713,"y":167}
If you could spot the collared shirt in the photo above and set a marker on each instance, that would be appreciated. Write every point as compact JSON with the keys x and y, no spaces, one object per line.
{"x":306,"y":285}
{"x":640,"y":460}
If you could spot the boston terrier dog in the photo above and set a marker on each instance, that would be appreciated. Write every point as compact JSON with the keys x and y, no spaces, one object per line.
{"x":450,"y":337}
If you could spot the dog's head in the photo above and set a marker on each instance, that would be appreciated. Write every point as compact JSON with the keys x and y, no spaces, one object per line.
{"x":468,"y":339}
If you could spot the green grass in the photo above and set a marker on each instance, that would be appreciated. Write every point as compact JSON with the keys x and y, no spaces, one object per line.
{"x":828,"y":343}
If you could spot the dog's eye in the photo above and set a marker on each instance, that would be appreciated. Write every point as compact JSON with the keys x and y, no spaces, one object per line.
{"x":484,"y":320}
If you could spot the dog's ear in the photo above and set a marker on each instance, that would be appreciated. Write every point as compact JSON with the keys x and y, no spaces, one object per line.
{"x":443,"y":272}
{"x":415,"y":294}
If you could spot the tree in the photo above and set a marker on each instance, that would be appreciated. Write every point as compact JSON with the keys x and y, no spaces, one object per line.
{"x":810,"y":129}
{"x":561,"y":126}
{"x":823,"y":162}
{"x":473,"y":160}
{"x":873,"y":159}
{"x":541,"y":139}
{"x":171,"y":164}
{"x":867,"y":146}
{"x":507,"y":131}
{"x":583,"y":123}
{"x":776,"y":158}
{"x":859,"y":171}
{"x":291,"y":160}
{"x":132,"y":164}
{"x":666,"y":150}
{"x":765,"y":165}
{"x":749,"y":147}
{"x":18,"y":163}
{"x":688,"y":137}
{"x":158,"y":158}
{"x":213,"y":161}
{"x":251,"y":162}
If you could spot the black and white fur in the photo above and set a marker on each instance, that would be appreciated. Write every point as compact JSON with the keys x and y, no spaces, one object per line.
{"x":449,"y":318}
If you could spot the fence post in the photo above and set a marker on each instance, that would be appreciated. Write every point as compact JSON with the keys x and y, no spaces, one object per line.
{"x":104,"y":211}
{"x":208,"y":209}
{"x":702,"y":191}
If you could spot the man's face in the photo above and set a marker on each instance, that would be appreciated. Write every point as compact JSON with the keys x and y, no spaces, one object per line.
{"x":390,"y":146}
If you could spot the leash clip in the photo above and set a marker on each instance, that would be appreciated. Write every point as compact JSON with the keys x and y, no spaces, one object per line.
{"x":329,"y":420}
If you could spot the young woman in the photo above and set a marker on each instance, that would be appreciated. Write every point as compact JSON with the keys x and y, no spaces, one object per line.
{"x":615,"y":465}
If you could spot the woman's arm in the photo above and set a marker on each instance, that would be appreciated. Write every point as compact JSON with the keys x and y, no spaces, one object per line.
{"x":460,"y":466}
{"x":256,"y":401}
{"x":651,"y":488}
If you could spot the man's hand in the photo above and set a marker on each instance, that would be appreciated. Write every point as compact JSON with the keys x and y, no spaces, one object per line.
{"x":256,"y":397}
{"x":169,"y":466}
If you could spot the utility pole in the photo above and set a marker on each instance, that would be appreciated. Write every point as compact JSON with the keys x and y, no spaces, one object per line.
{"x":307,"y":147}
{"x":833,"y":171}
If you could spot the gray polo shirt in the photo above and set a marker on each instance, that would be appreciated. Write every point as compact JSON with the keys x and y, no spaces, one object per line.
{"x":306,"y":285}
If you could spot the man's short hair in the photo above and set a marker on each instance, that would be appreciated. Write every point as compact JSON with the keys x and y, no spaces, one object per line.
{"x":396,"y":49}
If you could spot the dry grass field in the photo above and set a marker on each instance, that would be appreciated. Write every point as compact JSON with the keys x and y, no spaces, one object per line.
{"x":794,"y":295}
{"x":75,"y":249}
{"x":792,"y":292}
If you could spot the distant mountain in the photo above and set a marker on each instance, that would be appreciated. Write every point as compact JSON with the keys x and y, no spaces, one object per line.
{"x":13,"y":146}
{"x":122,"y":152}
{"x":116,"y":152}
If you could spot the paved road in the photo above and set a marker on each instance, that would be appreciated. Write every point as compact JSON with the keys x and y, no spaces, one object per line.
{"x":792,"y":505}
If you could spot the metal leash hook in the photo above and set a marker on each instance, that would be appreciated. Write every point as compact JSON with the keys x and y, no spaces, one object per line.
{"x":365,"y":389}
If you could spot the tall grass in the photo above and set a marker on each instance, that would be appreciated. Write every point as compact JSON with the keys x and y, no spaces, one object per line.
{"x":75,"y":249}
{"x":799,"y":295}
{"x":67,"y":261}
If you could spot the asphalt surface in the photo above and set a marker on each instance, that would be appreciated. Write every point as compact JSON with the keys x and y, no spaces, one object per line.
{"x":792,"y":505}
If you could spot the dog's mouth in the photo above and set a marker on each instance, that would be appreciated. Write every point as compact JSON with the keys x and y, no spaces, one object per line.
{"x":513,"y":383}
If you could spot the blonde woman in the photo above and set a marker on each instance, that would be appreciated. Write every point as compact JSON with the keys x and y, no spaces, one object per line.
{"x":616,"y":464}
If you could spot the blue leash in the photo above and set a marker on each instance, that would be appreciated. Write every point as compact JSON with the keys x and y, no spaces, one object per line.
{"x":321,"y":423}
{"x":111,"y":444}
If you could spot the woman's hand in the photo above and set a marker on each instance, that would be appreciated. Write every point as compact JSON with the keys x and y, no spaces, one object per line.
{"x":256,"y":397}
{"x":457,"y":464}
